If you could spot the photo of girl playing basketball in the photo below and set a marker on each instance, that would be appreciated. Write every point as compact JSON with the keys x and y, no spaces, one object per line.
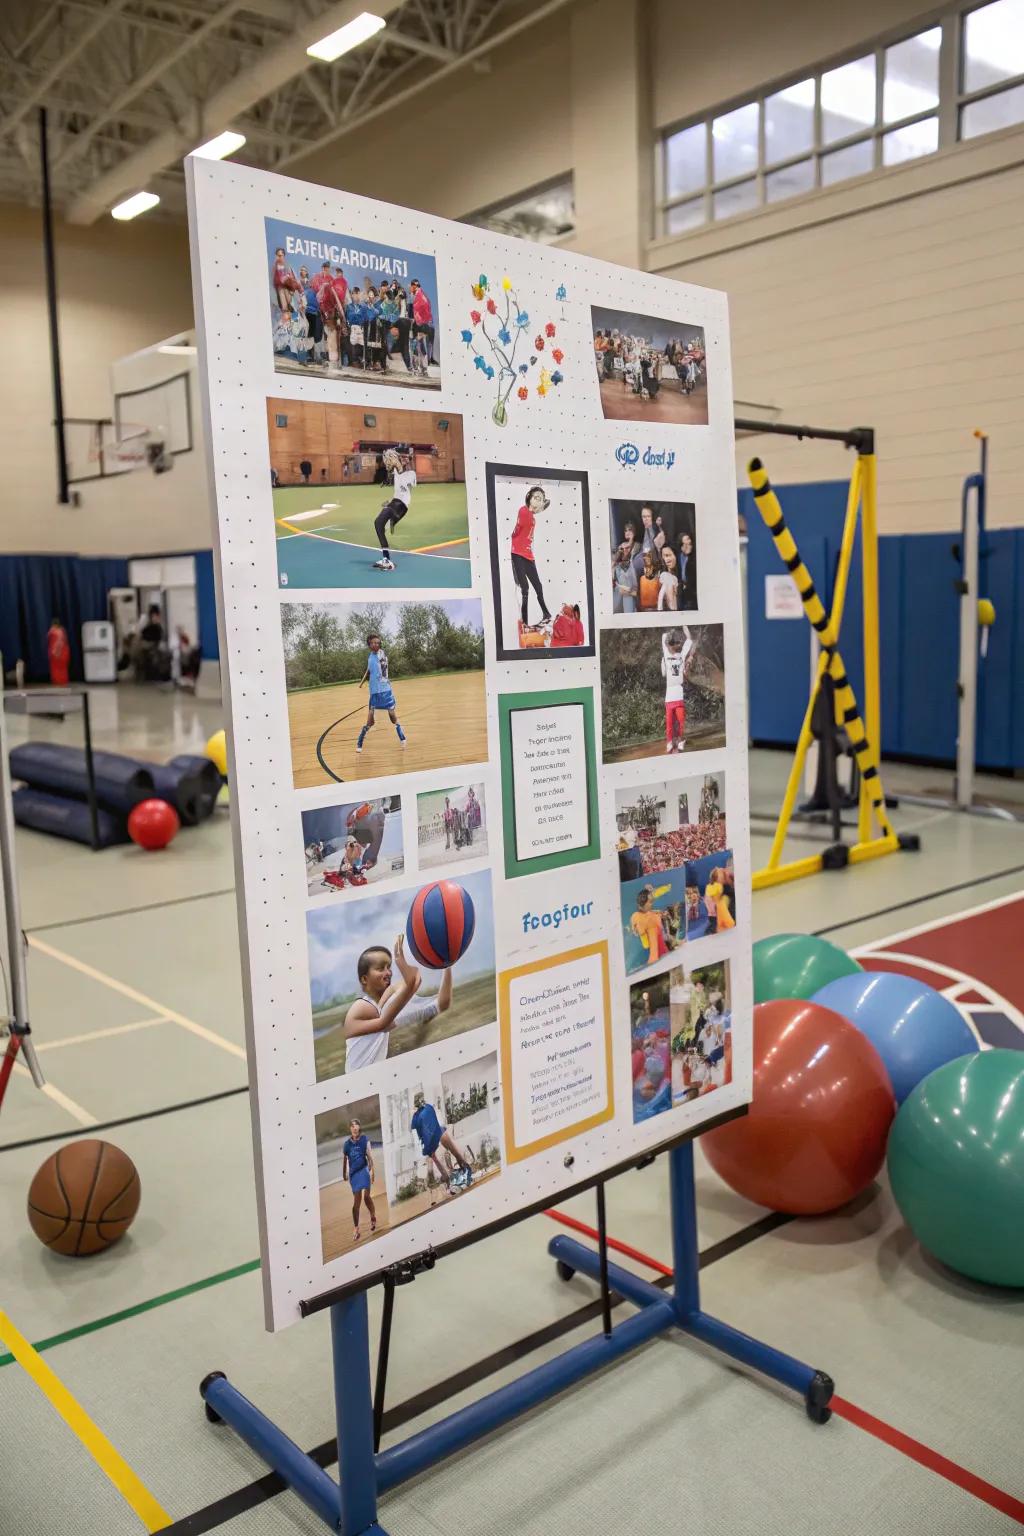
{"x":381,"y":695}
{"x":382,"y":1004}
{"x":391,"y":513}
{"x":433,"y":1135}
{"x":357,"y":1172}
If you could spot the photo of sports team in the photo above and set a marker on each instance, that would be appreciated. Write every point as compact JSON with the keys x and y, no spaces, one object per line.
{"x":451,"y":824}
{"x":649,"y":369}
{"x":539,"y":524}
{"x":399,"y":970}
{"x":349,"y":846}
{"x":442,"y":1136}
{"x":653,"y":556}
{"x":662,"y":691}
{"x":344,"y":308}
{"x":681,"y":1037}
{"x":367,"y":498}
{"x":380,"y":689}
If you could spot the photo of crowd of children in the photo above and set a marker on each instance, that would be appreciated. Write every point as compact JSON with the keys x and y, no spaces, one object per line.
{"x":681,"y":1037}
{"x":350,"y":1165}
{"x":442,"y":1136}
{"x":451,"y":824}
{"x":373,"y":996}
{"x":662,"y":691}
{"x":653,"y":556}
{"x":539,"y":522}
{"x":380,"y":689}
{"x":649,"y":369}
{"x":666,"y":826}
{"x":342,"y":307}
{"x":352,"y":845}
{"x":367,"y":498}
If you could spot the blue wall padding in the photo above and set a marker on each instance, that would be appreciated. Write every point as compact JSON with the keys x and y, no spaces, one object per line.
{"x":121,"y":782}
{"x":206,"y":604}
{"x":36,"y":588}
{"x":191,"y":784}
{"x":918,"y":627}
{"x":43,"y":812}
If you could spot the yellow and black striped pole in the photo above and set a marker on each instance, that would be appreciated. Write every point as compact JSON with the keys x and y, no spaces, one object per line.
{"x":826,"y":626}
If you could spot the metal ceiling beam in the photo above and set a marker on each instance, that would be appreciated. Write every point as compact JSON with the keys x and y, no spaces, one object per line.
{"x":67,"y":58}
{"x":274,"y":68}
{"x":421,"y":45}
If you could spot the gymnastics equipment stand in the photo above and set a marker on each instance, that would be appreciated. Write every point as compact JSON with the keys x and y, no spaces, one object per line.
{"x":977,"y":615}
{"x":350,"y":1505}
{"x":832,"y":712}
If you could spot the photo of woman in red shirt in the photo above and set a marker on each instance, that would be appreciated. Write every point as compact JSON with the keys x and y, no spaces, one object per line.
{"x":524,"y":564}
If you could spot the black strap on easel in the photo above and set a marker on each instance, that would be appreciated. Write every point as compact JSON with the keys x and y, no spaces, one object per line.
{"x":383,"y":1350}
{"x":602,"y":1248}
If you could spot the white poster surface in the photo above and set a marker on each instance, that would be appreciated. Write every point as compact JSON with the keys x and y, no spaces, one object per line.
{"x":487,"y":727}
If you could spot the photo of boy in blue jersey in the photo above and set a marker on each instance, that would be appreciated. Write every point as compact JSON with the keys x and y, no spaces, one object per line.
{"x":357,"y":1171}
{"x":381,"y":695}
{"x":433,"y":1135}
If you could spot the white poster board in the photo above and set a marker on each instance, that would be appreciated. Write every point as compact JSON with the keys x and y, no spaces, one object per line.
{"x":498,"y":940}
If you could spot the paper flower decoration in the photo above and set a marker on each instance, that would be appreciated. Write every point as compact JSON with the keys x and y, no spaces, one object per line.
{"x":524,"y":367}
{"x":489,"y":372}
{"x":538,"y":342}
{"x":542,"y":388}
{"x":467,"y":336}
{"x":549,"y":329}
{"x":556,"y":378}
{"x":545,"y":377}
{"x":479,"y":362}
{"x":556,"y":354}
{"x":532,"y":361}
{"x":522,"y":319}
{"x":494,"y":352}
{"x":560,"y":294}
{"x":474,"y":315}
{"x":506,"y":284}
{"x":523,"y":392}
{"x":480,"y":288}
{"x":492,"y":308}
{"x":504,"y":336}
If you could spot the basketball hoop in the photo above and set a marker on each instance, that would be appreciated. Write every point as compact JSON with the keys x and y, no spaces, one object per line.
{"x":137,"y":448}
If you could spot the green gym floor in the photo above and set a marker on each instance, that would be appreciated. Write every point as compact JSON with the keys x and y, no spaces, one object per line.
{"x":136,"y":1005}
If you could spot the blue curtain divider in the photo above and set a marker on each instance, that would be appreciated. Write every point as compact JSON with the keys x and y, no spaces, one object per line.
{"x":34,"y":589}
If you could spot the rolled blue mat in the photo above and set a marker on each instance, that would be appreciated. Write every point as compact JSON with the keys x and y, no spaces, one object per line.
{"x":121,"y":782}
{"x":191,"y":784}
{"x":62,"y":817}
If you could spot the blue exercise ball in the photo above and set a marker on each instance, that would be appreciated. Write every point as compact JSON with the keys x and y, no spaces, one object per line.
{"x":912,"y":1027}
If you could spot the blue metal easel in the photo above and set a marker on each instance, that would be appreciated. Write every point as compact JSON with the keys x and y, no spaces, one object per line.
{"x":350,"y":1505}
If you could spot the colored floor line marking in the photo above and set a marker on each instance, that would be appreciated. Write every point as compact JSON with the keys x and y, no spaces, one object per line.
{"x":987,"y":1492}
{"x":425,"y":549}
{"x":141,"y":1306}
{"x":934,"y":1461}
{"x":98,"y":1034}
{"x":137,"y":997}
{"x":62,"y":1100}
{"x":107,"y":1458}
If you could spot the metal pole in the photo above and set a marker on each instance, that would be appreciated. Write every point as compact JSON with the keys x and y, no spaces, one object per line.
{"x":350,"y":1337}
{"x":872,"y":664}
{"x":602,"y":1248}
{"x":90,"y":773}
{"x":12,"y":912}
{"x":967,"y":680}
{"x":49,"y":253}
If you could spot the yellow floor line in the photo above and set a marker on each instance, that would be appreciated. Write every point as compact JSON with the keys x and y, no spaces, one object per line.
{"x":445,"y":544}
{"x":137,"y":997}
{"x":61,"y":1099}
{"x":109,"y":1460}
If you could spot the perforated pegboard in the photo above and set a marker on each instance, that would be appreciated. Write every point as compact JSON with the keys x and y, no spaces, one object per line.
{"x":562,"y":429}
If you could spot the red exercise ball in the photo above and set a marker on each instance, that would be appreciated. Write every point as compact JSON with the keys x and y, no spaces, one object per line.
{"x":153,"y":823}
{"x":816,"y":1132}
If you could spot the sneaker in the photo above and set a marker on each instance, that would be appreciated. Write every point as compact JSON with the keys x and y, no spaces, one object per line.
{"x":403,"y":742}
{"x":384,"y":565}
{"x":670,"y":746}
{"x":358,"y":750}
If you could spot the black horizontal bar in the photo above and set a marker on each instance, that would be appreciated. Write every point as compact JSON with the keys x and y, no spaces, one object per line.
{"x":853,"y":438}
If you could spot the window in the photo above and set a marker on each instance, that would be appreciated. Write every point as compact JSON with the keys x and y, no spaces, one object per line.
{"x":544,"y":214}
{"x":904,"y":98}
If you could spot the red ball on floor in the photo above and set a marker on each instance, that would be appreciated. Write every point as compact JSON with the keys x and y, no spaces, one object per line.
{"x":153,"y":823}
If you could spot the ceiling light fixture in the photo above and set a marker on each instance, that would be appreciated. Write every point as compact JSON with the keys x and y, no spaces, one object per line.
{"x":141,"y":202}
{"x":222,"y":145}
{"x":346,"y":38}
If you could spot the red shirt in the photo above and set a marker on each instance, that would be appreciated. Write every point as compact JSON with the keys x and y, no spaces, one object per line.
{"x":421,"y":310}
{"x":319,"y":280}
{"x":340,"y":286}
{"x":522,"y":533}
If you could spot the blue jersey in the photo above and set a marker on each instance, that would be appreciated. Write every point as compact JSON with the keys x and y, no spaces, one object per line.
{"x":357,"y":1152}
{"x":427,"y":1127}
{"x":377,"y":666}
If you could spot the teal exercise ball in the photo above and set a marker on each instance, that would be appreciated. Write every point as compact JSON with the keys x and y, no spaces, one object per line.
{"x":912,"y":1027}
{"x":797,"y":965}
{"x":956,"y":1165}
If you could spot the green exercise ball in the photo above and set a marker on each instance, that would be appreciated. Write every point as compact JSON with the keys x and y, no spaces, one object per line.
{"x":956,"y":1165}
{"x":797,"y":965}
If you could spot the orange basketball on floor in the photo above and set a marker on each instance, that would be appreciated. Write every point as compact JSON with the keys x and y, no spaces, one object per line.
{"x":84,"y":1198}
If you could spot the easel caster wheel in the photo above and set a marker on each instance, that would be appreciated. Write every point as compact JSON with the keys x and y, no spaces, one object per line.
{"x":563,"y":1270}
{"x":211,"y":1413}
{"x":819,"y":1395}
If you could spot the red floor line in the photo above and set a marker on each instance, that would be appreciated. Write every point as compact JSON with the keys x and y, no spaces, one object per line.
{"x":988,"y":1493}
{"x":613,"y":1242}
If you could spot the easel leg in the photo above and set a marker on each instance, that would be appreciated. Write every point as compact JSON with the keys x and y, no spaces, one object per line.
{"x":350,"y":1340}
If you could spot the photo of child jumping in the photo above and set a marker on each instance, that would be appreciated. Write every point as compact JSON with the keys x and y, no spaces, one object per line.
{"x":662,"y":691}
{"x":397,"y":464}
{"x":539,"y":524}
{"x":381,"y":694}
{"x":433,"y":1135}
{"x":443,"y":1137}
{"x":675,"y":652}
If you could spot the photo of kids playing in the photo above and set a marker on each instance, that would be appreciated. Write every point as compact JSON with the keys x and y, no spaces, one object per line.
{"x":710,"y":895}
{"x":649,"y":369}
{"x":350,"y":1163}
{"x":400,"y":970}
{"x":653,"y":918}
{"x":442,"y":1137}
{"x":352,"y":845}
{"x":348,"y":308}
{"x":451,"y":824}
{"x":665,"y":826}
{"x":653,"y":556}
{"x":651,"y":1051}
{"x":700,"y":1014}
{"x":539,"y":525}
{"x":662,"y":690}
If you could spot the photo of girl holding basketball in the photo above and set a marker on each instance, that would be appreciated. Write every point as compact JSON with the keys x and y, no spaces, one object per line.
{"x":382,"y":1004}
{"x":524,"y":561}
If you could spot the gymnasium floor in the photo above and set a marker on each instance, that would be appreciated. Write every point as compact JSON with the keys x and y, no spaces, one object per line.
{"x":137,"y":1010}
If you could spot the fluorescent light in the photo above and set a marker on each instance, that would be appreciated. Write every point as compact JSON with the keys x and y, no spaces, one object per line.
{"x":346,"y":38}
{"x":175,"y":351}
{"x":142,"y":202}
{"x":217,"y":148}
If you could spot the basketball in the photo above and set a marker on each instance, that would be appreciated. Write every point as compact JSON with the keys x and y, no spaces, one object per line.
{"x":153,"y":824}
{"x":83,"y":1198}
{"x":441,"y":923}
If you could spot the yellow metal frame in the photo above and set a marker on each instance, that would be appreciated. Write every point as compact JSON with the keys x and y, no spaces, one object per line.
{"x":875,"y":835}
